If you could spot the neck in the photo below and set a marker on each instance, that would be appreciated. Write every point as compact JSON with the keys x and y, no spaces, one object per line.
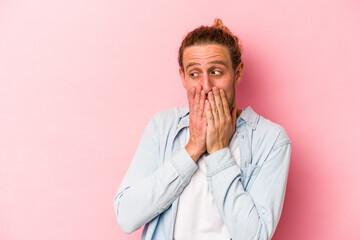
{"x":238,"y":112}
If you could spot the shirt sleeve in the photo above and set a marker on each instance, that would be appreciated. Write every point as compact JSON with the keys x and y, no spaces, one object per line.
{"x":254,"y":213}
{"x":149,"y":187}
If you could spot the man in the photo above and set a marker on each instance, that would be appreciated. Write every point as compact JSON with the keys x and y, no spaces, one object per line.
{"x":208,"y":170}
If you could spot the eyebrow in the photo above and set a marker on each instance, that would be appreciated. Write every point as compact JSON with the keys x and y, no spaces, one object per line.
{"x":214,"y":62}
{"x":218,"y":62}
{"x":191,"y":64}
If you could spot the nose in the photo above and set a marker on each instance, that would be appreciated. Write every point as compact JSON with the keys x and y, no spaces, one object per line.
{"x":206,"y":84}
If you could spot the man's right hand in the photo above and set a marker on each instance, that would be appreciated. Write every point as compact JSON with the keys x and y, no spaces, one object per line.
{"x":198,"y":123}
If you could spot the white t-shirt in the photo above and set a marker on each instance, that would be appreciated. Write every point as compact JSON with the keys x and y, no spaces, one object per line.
{"x":197,"y":216}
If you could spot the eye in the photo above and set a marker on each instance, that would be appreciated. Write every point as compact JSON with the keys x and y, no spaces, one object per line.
{"x":194,"y":74}
{"x":215,"y":72}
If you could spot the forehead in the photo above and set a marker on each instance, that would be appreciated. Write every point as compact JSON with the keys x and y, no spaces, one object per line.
{"x":206,"y":53}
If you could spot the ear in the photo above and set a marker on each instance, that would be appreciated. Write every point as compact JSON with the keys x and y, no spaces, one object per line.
{"x":239,"y":73}
{"x":182,"y":76}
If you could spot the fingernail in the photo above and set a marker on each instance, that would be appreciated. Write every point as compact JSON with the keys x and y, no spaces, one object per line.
{"x":221,"y":91}
{"x":210,"y":94}
{"x":202,"y":92}
{"x":215,"y":89}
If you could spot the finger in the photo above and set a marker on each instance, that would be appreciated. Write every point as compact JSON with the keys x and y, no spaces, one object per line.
{"x":196,"y":100}
{"x":219,"y":105}
{"x":204,"y":118}
{"x":190,"y":95}
{"x":203,"y":121}
{"x":225,"y":104}
{"x":209,"y":115}
{"x":201,"y":104}
{"x":213,"y":107}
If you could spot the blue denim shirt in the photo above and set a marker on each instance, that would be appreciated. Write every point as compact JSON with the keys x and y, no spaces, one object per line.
{"x":249,"y":197}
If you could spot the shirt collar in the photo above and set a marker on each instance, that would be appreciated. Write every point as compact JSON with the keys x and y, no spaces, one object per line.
{"x":183,"y":117}
{"x":184,"y":111}
{"x":249,"y":116}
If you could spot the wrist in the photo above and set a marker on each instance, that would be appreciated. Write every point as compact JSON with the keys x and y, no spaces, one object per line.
{"x":195,"y":155}
{"x":215,"y":149}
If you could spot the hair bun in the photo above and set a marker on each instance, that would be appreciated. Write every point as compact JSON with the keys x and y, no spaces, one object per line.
{"x":219,"y":24}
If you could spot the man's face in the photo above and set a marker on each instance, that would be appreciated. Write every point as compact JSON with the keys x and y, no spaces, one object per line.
{"x":208,"y":66}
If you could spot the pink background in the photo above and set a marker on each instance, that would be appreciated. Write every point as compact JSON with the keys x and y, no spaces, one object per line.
{"x":79,"y":81}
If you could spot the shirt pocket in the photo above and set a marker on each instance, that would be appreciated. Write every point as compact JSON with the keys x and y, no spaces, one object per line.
{"x":248,"y":175}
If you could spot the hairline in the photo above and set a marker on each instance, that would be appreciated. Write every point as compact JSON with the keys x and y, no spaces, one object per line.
{"x":204,"y":43}
{"x":210,"y":62}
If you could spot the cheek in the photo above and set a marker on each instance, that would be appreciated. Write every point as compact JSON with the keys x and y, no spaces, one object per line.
{"x":226,"y":82}
{"x":191,"y":84}
{"x":224,"y":85}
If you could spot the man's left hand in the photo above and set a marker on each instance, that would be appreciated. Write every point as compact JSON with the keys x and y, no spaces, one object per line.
{"x":221,"y":123}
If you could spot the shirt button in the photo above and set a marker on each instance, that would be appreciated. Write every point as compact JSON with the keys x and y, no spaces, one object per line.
{"x":252,"y":124}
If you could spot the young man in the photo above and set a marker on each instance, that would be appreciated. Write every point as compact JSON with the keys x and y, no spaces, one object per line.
{"x":208,"y":170}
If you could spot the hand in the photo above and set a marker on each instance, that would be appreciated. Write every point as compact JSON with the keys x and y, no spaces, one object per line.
{"x":197,"y":125}
{"x":220,"y":122}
